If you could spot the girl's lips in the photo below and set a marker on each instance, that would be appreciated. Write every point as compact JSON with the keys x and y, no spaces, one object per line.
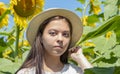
{"x":58,"y":47}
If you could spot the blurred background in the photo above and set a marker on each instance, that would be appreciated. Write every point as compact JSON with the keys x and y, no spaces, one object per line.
{"x":100,"y":41}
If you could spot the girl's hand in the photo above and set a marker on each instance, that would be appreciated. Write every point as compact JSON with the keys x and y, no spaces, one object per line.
{"x":76,"y":53}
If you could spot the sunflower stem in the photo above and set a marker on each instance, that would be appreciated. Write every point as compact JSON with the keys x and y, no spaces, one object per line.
{"x":85,"y":8}
{"x":17,"y":40}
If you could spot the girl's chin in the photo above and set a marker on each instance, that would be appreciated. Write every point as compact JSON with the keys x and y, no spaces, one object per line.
{"x":56,"y":53}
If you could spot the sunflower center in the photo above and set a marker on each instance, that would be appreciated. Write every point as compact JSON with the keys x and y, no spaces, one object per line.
{"x":25,"y":8}
{"x":0,"y":13}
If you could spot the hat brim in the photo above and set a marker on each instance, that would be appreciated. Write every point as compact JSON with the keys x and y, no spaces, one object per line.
{"x":37,"y":20}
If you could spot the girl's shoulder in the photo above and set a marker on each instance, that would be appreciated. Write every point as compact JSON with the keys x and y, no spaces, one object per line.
{"x":26,"y":71}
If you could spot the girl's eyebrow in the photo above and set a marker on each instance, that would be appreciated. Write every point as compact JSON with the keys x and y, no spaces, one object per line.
{"x":52,"y":30}
{"x":57,"y":30}
{"x":66,"y":31}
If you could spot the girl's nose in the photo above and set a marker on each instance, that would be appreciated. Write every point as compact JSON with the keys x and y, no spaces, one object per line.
{"x":60,"y":39}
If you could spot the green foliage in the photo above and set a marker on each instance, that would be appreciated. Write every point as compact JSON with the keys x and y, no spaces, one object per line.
{"x":110,"y":8}
{"x":97,"y":2}
{"x":92,"y":19}
{"x":3,"y":45}
{"x":109,"y":25}
{"x":105,"y":54}
{"x":117,"y":32}
{"x":79,"y":9}
{"x":8,"y":67}
{"x":103,"y":70}
{"x":81,"y":1}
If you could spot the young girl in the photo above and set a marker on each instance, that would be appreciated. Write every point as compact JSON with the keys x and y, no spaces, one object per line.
{"x":52,"y":35}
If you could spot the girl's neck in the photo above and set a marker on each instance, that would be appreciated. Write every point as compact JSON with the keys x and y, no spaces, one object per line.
{"x":52,"y":63}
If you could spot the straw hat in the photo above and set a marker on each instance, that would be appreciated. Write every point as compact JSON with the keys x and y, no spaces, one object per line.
{"x":37,"y":20}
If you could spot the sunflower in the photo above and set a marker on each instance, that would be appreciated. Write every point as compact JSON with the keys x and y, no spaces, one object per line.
{"x":91,"y":44}
{"x":84,"y":20}
{"x":24,"y":10}
{"x":85,"y":23}
{"x":4,"y":21}
{"x":6,"y":53}
{"x":96,"y":8}
{"x":92,"y":24}
{"x":108,"y":35}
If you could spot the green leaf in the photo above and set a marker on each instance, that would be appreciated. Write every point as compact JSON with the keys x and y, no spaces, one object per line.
{"x":99,"y":70}
{"x":103,"y":45}
{"x":88,"y":49}
{"x":4,"y":33}
{"x":2,"y":42}
{"x":117,"y":32}
{"x":2,"y":49}
{"x":107,"y":26}
{"x":118,"y":3}
{"x":11,"y":41}
{"x":79,"y":9}
{"x":3,"y":45}
{"x":110,"y":8}
{"x":101,"y":15}
{"x":98,"y":59}
{"x":96,"y":3}
{"x":7,"y":33}
{"x":112,"y":60}
{"x":91,"y":9}
{"x":8,"y":67}
{"x":103,"y":70}
{"x":116,"y":51}
{"x":92,"y":19}
{"x":25,"y":55}
{"x":81,"y":1}
{"x":117,"y":70}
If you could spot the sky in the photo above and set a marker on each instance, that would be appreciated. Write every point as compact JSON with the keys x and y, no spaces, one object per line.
{"x":68,"y":4}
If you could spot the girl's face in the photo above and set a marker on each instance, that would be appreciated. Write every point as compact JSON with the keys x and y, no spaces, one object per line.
{"x":56,"y":37}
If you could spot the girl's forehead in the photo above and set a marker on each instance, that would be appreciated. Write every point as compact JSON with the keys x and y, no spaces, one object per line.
{"x":58,"y":24}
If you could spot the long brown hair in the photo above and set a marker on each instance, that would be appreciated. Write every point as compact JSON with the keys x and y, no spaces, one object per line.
{"x":35,"y":56}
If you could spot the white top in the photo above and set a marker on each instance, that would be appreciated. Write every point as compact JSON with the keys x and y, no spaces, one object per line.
{"x":67,"y":69}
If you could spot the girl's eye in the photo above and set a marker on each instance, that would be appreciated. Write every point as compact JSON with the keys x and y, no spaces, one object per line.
{"x":66,"y":35}
{"x":52,"y":33}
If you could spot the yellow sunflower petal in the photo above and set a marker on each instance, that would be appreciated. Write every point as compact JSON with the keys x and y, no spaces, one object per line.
{"x":96,"y":9}
{"x":91,"y":1}
{"x":26,"y":43}
{"x":5,"y":55}
{"x":84,"y":20}
{"x":108,"y":35}
{"x":4,"y":21}
{"x":8,"y":51}
{"x":89,"y":44}
{"x":92,"y":25}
